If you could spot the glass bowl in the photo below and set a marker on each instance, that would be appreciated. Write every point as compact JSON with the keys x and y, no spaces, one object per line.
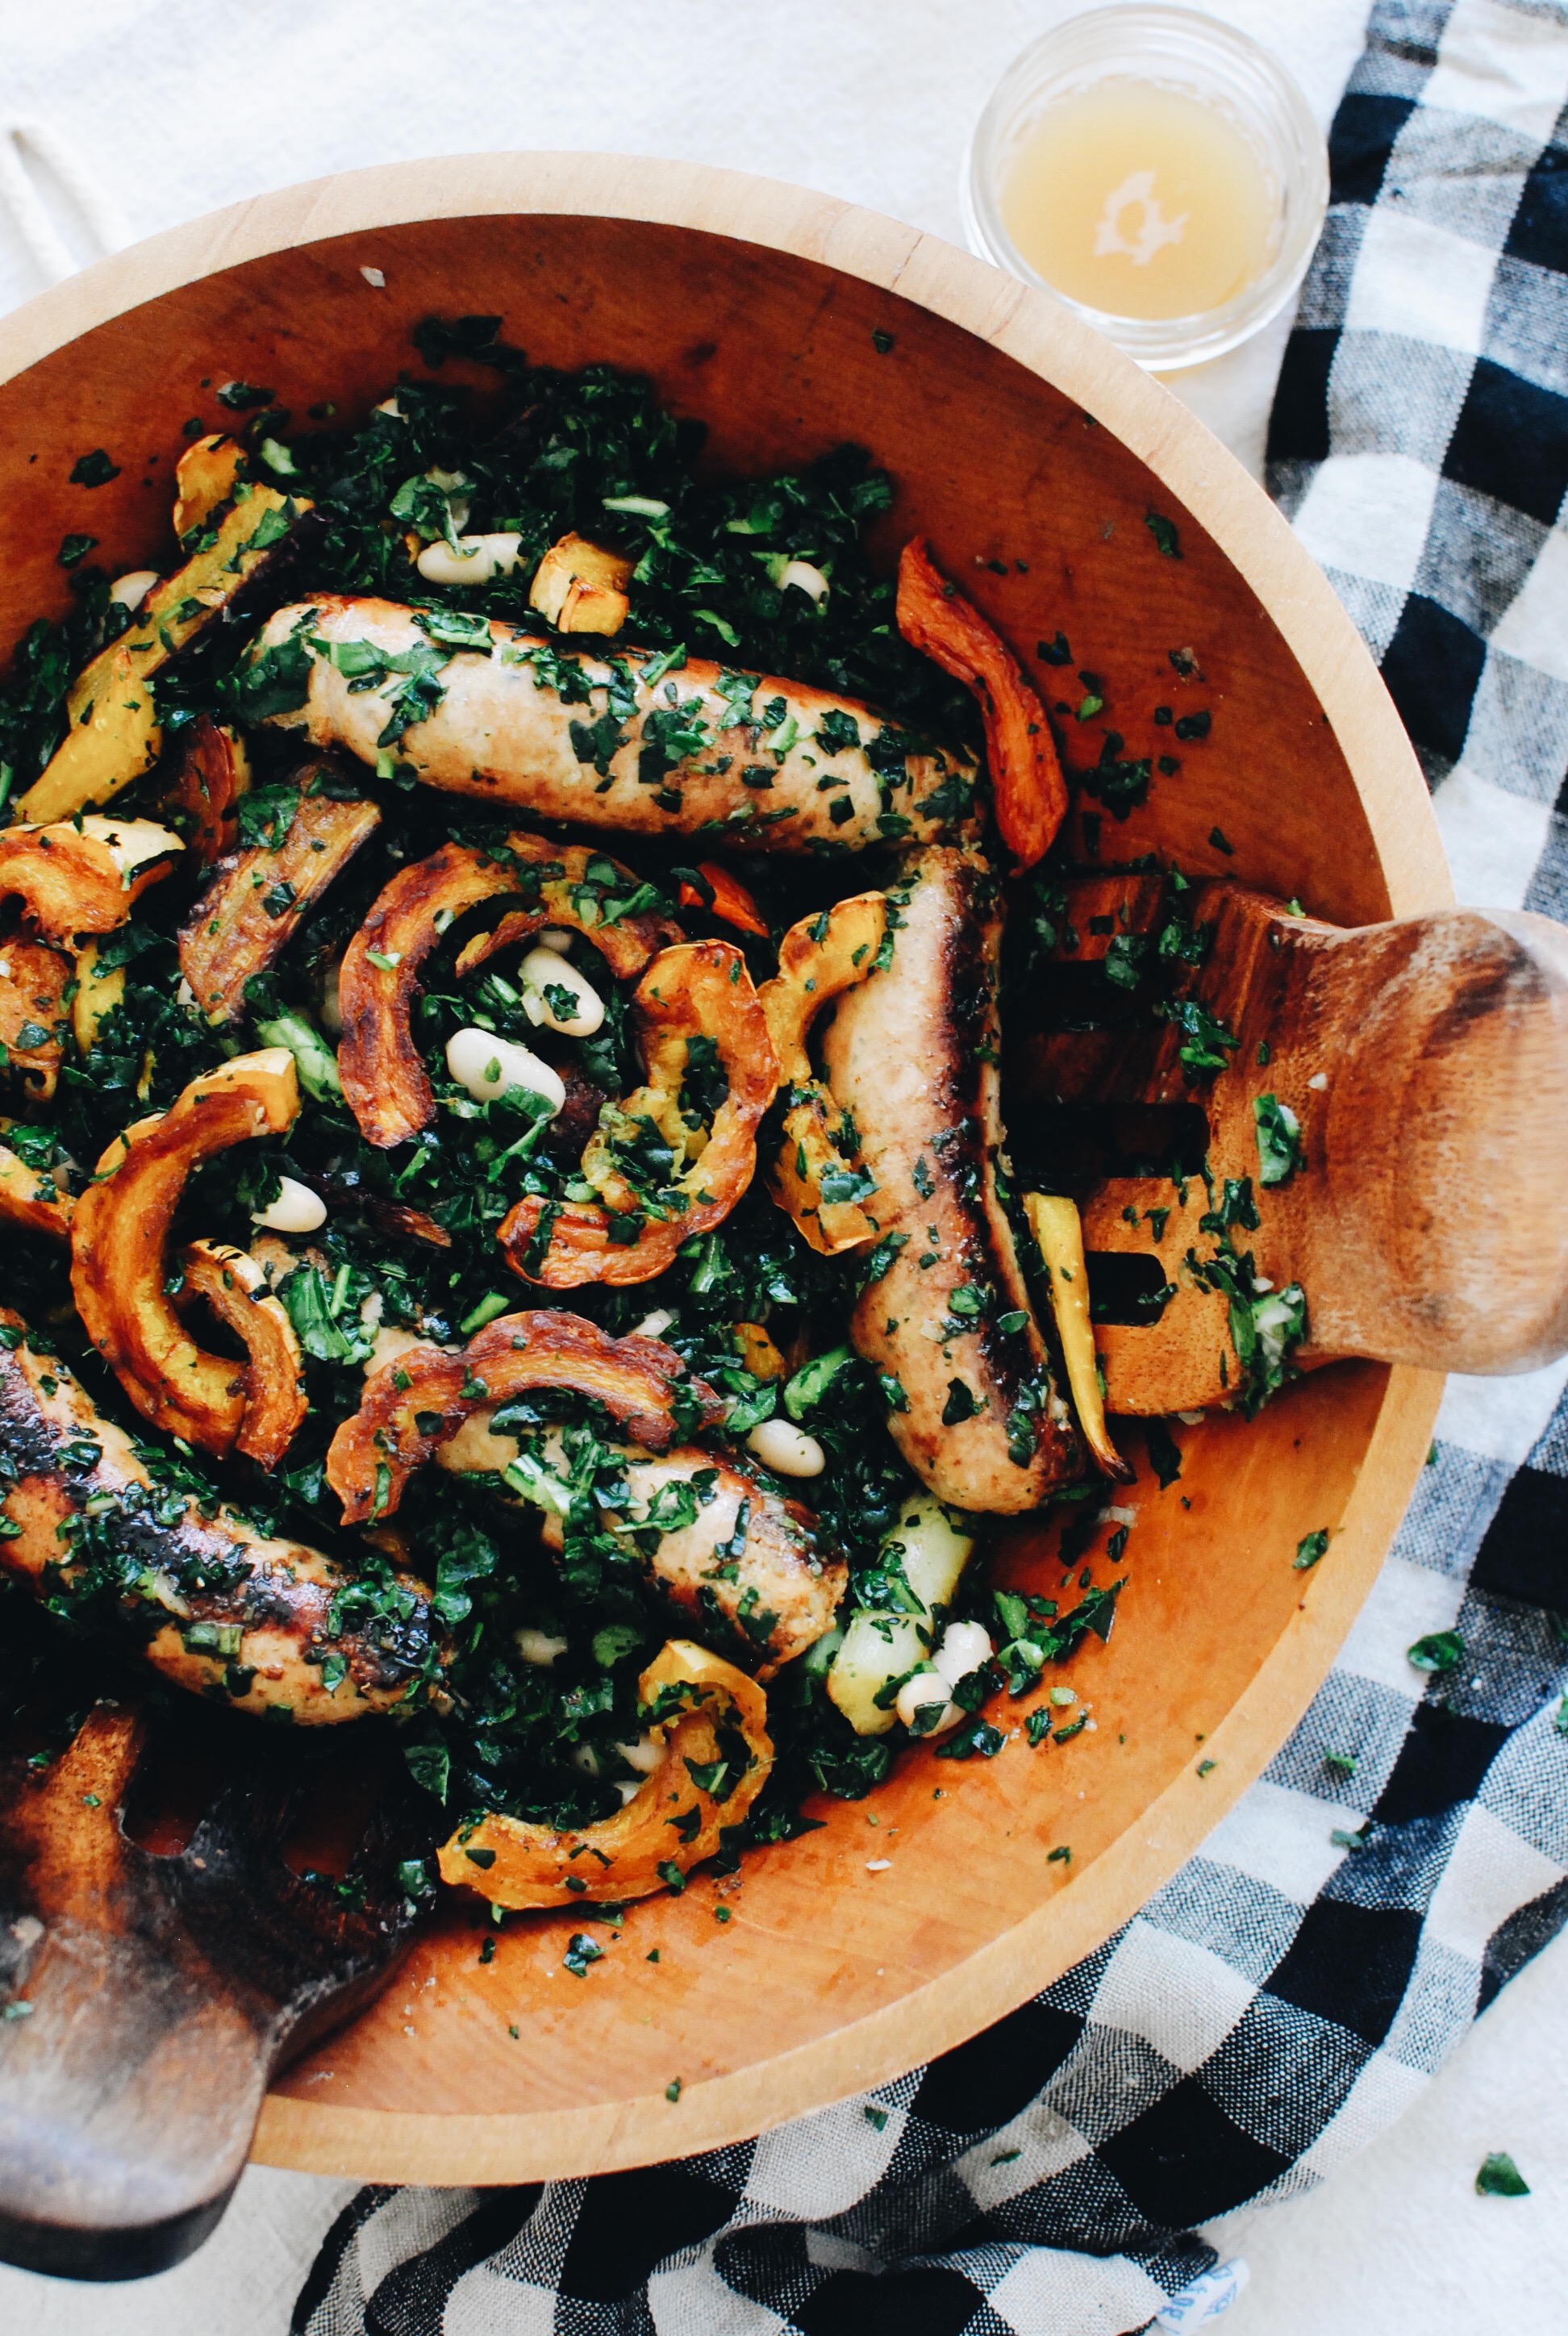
{"x":1193,"y":56}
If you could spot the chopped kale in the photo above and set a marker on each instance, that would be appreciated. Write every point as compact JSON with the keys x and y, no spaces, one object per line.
{"x":1279,"y":1132}
{"x":94,"y":470}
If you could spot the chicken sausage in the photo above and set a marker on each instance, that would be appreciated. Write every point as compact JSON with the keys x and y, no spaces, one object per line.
{"x":275,"y":1624}
{"x":912,"y":1054}
{"x":624,"y":741}
{"x":745,"y":1566}
{"x":748,"y":1571}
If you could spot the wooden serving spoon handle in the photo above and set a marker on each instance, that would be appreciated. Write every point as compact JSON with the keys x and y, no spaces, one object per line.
{"x":148,"y":1999}
{"x":1430,"y":1225}
{"x":1425,"y":1063}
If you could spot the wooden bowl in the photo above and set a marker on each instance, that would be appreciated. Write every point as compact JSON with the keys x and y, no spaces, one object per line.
{"x":789,"y":323}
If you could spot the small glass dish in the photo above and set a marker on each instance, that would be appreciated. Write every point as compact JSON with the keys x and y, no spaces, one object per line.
{"x":1195,"y":56}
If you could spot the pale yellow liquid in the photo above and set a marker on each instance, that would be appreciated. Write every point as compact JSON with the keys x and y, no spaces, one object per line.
{"x":1140,"y":202}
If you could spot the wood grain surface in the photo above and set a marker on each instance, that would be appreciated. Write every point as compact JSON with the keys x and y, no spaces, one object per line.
{"x":1425,"y":1064}
{"x":1033,"y":456}
{"x":162,"y":1917}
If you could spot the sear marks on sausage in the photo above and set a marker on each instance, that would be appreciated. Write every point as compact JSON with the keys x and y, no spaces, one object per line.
{"x":747,"y":1570}
{"x":218,"y":1606}
{"x":752,"y":762}
{"x":912,"y":1055}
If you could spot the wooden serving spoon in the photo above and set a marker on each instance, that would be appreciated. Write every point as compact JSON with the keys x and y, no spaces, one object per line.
{"x":1425,"y":1065}
{"x":152,"y":1984}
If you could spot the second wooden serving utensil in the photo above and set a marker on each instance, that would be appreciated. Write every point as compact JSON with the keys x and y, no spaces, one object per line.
{"x":185,"y":1902}
{"x":1290,"y":1142}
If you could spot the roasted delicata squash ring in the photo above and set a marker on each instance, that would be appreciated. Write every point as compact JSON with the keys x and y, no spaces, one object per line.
{"x":718,"y":1729}
{"x":33,"y":982}
{"x":422,"y":1398}
{"x":1058,"y":1233}
{"x":113,"y":734}
{"x":699,"y":990}
{"x":213,"y":773}
{"x":31,"y":1198}
{"x":235,"y":1287}
{"x":205,"y":478}
{"x":819,"y":959}
{"x":253,"y":908}
{"x":383,"y":1074}
{"x":120,"y":1235}
{"x":1027,"y":788}
{"x":85,"y":880}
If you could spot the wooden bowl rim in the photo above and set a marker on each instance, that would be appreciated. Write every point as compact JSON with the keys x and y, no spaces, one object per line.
{"x":1031,"y":327}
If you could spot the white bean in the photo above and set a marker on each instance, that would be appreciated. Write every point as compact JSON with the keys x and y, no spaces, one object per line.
{"x":439,"y":564}
{"x":488,"y":1066}
{"x":129,"y":592}
{"x":916,"y":1699}
{"x":552,"y":938}
{"x":452,"y":484}
{"x":964,"y":1647}
{"x":130,"y":842}
{"x":787,"y":1449}
{"x":644,"y":1755}
{"x":542,"y":968}
{"x":297,"y":1210}
{"x":478,"y":559}
{"x":654,"y":1325}
{"x":805,"y":579}
{"x":536,"y":1646}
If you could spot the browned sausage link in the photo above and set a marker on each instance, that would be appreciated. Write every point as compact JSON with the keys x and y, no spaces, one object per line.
{"x":512,"y":726}
{"x":752,"y":1570}
{"x":218,"y":1604}
{"x":750,"y":1567}
{"x":913,"y":1054}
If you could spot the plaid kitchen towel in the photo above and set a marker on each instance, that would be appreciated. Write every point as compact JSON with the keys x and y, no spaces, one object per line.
{"x":1293,"y":1987}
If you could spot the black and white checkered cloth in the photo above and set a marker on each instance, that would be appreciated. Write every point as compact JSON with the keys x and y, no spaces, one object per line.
{"x":1287,"y":1994}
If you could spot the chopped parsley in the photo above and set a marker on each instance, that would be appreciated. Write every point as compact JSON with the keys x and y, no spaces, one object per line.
{"x":93,"y":470}
{"x":1279,"y":1133}
{"x":1438,"y":1653}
